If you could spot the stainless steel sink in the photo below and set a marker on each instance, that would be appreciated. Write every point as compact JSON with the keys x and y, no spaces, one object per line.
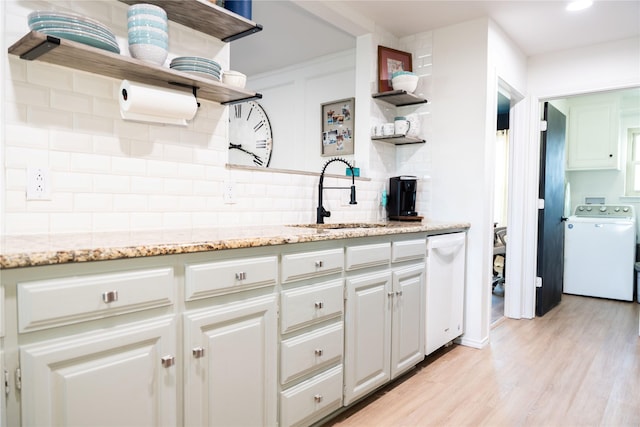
{"x":342,"y":225}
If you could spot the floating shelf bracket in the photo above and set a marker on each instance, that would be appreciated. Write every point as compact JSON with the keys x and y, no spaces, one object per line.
{"x":194,"y":89}
{"x":244,"y":33}
{"x":44,"y":47}
{"x":237,"y":101}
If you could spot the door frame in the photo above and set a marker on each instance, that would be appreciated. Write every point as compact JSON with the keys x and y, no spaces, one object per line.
{"x":523,"y":198}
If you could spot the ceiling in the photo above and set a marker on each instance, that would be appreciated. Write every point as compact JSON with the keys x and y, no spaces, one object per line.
{"x":292,"y":34}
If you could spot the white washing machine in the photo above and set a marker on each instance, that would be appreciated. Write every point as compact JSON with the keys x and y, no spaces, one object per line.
{"x":599,"y":251}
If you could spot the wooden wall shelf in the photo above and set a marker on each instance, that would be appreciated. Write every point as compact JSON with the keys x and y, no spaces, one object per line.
{"x":399,"y":98}
{"x":67,"y":53}
{"x":398,"y":139}
{"x":206,"y":17}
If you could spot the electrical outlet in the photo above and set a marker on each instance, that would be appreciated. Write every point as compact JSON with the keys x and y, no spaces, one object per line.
{"x":228,"y":189}
{"x":38,"y":184}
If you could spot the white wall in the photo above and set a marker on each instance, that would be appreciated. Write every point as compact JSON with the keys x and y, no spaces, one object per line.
{"x":292,"y":97}
{"x":459,"y":179}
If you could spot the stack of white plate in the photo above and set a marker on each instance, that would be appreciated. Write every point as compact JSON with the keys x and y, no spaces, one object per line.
{"x":197,"y":65}
{"x":148,"y":33}
{"x":74,"y":27}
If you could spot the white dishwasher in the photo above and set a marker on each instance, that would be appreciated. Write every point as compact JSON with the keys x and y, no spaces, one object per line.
{"x":446,"y":255}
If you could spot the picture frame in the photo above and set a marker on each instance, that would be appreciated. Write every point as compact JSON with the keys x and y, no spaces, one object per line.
{"x":338,"y":124}
{"x":389,"y":61}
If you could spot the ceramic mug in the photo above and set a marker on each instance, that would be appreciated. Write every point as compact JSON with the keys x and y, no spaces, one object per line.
{"x":388,"y":129}
{"x":401,"y":125}
{"x":414,"y":125}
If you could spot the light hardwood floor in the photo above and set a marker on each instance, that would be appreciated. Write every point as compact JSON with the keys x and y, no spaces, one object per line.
{"x":579,"y":365}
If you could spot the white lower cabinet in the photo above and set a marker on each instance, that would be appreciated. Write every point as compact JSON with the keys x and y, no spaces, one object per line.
{"x":281,"y":336}
{"x":109,"y":377}
{"x":230,"y":364}
{"x":384,"y":327}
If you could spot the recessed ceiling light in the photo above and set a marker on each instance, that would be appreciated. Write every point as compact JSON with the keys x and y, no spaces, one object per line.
{"x":579,"y":5}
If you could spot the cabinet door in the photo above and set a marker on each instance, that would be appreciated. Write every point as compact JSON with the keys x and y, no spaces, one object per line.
{"x":445,"y":289}
{"x":407,"y":323}
{"x":368,"y":333}
{"x":106,"y":378}
{"x":593,"y":137}
{"x":231,"y":364}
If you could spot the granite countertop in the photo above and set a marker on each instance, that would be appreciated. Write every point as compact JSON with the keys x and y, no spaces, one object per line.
{"x":37,"y":250}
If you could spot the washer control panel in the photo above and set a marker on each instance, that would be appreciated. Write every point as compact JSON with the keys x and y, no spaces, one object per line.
{"x":611,"y":211}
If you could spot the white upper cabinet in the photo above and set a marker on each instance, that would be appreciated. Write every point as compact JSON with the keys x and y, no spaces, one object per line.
{"x":593,"y":136}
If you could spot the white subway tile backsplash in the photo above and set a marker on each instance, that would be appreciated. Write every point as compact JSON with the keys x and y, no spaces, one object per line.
{"x":70,"y":101}
{"x":128,"y":166}
{"x":28,"y":93}
{"x":92,"y":202}
{"x":92,"y":124}
{"x":49,"y":118}
{"x":26,"y":136}
{"x":63,"y":140}
{"x":146,"y":185}
{"x":111,"y":174}
{"x":27,"y":222}
{"x":53,"y":75}
{"x":89,"y":163}
{"x":115,"y":184}
{"x":88,"y":84}
{"x":146,"y":221}
{"x":70,"y":222}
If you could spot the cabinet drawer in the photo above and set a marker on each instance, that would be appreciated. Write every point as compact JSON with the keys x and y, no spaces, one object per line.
{"x":311,"y":351}
{"x":313,"y":399}
{"x":310,"y":304}
{"x":214,"y":278}
{"x":410,"y":249}
{"x":311,"y":264}
{"x":47,"y":303}
{"x":368,"y":255}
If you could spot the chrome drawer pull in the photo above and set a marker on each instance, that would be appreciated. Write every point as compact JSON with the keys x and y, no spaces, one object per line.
{"x":317,"y":398}
{"x":168,"y":361}
{"x":319,"y":304}
{"x":319,"y":352}
{"x":198,"y":352}
{"x":319,"y":264}
{"x":241,"y":276}
{"x":110,"y":296}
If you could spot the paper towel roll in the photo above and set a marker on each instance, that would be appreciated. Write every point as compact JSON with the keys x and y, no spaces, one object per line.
{"x":141,"y":102}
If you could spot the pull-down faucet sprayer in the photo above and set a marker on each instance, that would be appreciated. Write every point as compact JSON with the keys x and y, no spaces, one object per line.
{"x":321,"y":211}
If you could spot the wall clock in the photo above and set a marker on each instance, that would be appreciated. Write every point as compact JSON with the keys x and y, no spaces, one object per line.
{"x":250,"y":139}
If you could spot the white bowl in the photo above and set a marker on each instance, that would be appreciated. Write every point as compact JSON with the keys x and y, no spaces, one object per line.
{"x":406,"y":82}
{"x":149,"y":53}
{"x":234,"y":78}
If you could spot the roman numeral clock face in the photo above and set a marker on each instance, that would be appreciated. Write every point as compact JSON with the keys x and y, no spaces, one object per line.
{"x":250,"y":140}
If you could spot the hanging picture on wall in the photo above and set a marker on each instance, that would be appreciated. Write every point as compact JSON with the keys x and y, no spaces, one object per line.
{"x":390,"y":61}
{"x":337,"y":127}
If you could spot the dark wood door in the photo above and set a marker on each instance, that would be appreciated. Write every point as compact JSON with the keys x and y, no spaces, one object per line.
{"x":550,"y":219}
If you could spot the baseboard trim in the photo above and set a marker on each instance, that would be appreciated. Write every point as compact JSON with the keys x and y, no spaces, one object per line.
{"x":472,"y":343}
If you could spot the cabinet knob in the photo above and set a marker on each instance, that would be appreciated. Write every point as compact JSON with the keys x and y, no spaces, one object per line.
{"x":319,"y":264}
{"x":319,"y":352}
{"x":198,"y":352}
{"x":399,"y":293}
{"x":110,"y":296}
{"x":317,"y":398}
{"x":241,"y":275}
{"x":390,"y":294}
{"x":319,"y":304}
{"x":168,"y":361}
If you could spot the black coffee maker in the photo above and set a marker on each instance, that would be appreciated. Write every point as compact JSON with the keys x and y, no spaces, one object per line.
{"x":402,"y":198}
